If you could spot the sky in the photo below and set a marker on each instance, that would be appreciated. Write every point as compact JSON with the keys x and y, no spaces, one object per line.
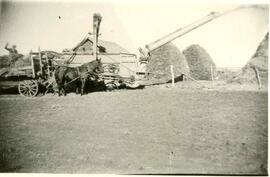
{"x":230,"y":40}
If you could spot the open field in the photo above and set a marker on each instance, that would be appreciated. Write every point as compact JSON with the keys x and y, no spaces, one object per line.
{"x":155,"y":130}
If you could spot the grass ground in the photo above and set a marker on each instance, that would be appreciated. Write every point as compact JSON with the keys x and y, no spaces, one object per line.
{"x":155,"y":130}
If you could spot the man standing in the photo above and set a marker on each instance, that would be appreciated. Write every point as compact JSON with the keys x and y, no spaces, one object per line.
{"x":11,"y":50}
{"x":13,"y":53}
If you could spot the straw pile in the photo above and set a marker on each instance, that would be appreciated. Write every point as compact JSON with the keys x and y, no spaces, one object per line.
{"x":158,"y":68}
{"x":199,"y":62}
{"x":258,"y":61}
{"x":4,"y":61}
{"x":23,"y":61}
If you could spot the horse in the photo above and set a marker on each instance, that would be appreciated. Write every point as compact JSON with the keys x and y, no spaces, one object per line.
{"x":65,"y":75}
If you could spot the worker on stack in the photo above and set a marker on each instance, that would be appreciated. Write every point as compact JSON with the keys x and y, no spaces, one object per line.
{"x":13,"y":53}
{"x":12,"y":50}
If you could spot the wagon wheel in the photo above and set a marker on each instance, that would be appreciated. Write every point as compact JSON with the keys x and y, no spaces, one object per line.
{"x":28,"y":88}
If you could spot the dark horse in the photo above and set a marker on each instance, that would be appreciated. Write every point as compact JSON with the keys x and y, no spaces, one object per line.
{"x":65,"y":75}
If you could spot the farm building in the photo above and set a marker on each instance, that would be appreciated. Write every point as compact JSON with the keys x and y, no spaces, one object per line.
{"x":110,"y":53}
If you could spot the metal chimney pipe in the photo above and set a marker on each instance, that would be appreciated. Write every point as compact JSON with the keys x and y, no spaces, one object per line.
{"x":96,"y":23}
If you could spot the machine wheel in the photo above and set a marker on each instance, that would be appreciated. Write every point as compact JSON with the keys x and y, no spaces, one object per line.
{"x":110,"y":86}
{"x":28,"y":88}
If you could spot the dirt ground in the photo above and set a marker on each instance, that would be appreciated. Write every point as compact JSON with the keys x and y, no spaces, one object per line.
{"x":155,"y":130}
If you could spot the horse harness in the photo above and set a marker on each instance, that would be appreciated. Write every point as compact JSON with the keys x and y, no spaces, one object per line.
{"x":87,"y":74}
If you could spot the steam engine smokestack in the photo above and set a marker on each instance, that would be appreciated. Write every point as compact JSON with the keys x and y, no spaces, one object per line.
{"x":96,"y":23}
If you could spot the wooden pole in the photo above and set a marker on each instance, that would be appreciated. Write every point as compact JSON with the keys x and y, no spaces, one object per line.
{"x":212,"y":76}
{"x":48,"y":66}
{"x":40,"y":61}
{"x":170,"y":162}
{"x":172,"y":75}
{"x":258,"y":77}
{"x":33,"y":66}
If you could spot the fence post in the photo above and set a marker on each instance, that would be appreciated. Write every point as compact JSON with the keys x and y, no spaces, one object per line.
{"x":212,"y":76}
{"x":172,"y":75}
{"x":258,"y":77}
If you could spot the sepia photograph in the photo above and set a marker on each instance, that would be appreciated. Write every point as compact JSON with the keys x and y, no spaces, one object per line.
{"x":134,"y":87}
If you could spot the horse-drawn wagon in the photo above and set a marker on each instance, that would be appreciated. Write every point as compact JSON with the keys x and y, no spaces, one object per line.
{"x":31,"y":74}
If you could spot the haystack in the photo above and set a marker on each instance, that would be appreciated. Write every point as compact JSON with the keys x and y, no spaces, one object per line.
{"x":23,"y":61}
{"x":259,"y":61}
{"x":199,"y":62}
{"x":158,"y":68}
{"x":4,"y":61}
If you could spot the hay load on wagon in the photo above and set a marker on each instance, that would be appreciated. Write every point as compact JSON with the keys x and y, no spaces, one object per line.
{"x":158,"y":67}
{"x":256,"y":66}
{"x":9,"y":64}
{"x":9,"y":68}
{"x":199,"y":62}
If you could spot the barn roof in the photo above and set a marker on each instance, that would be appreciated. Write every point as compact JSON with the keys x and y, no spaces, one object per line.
{"x":104,"y":46}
